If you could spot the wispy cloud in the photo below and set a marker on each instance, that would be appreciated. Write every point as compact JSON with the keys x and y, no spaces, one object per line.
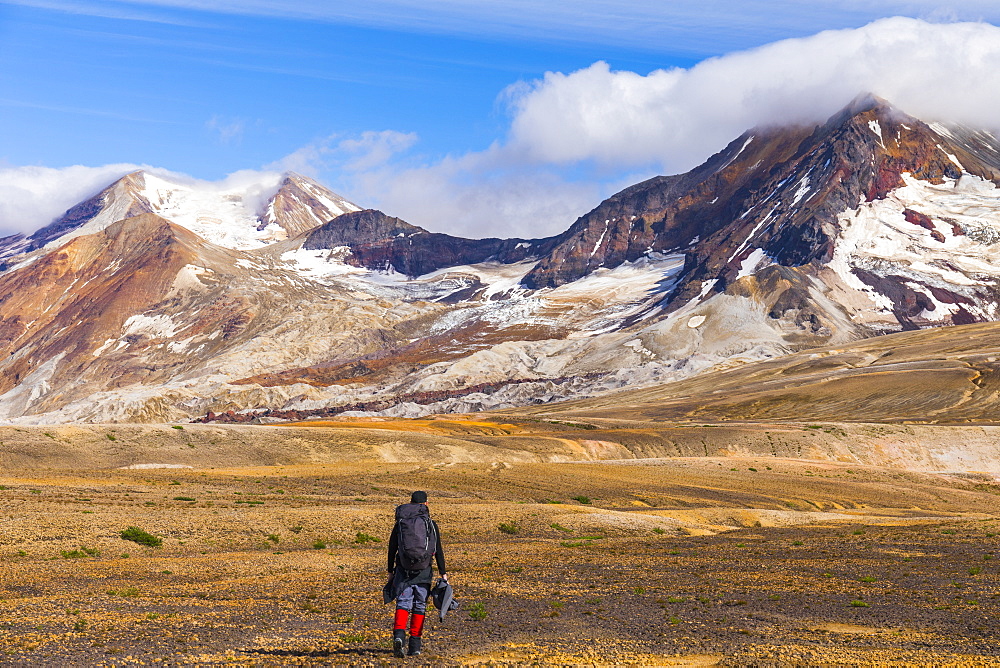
{"x":228,"y":130}
{"x":706,"y":27}
{"x":69,"y":109}
{"x":367,"y":151}
{"x":122,"y":11}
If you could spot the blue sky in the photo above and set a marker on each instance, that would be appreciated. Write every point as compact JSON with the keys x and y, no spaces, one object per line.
{"x":457,"y":115}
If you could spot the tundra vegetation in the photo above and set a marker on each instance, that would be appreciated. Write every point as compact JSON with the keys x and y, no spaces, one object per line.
{"x":677,"y":559}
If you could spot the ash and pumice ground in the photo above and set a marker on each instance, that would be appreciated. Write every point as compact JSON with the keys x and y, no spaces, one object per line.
{"x":694,"y":561}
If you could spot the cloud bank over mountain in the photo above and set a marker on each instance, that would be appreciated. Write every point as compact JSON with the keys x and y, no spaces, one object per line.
{"x":675,"y":118}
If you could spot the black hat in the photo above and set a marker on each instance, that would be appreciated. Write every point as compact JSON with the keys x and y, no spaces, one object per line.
{"x":418,"y":497}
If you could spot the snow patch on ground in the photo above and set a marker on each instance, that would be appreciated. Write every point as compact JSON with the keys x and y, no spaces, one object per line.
{"x":322,"y":264}
{"x":877,"y":130}
{"x":154,"y":327}
{"x":144,"y":467}
{"x":752,"y":263}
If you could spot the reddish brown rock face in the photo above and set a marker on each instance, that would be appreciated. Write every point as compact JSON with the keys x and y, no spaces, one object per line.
{"x":70,"y":301}
{"x":779,"y":190}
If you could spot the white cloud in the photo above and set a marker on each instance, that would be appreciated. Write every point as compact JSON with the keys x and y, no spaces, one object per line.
{"x":675,"y":119}
{"x":369,"y":150}
{"x":478,"y":195}
{"x":31,"y":197}
{"x":372,"y":149}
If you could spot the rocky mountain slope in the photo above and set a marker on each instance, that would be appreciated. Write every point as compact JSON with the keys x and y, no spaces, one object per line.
{"x":942,"y":375}
{"x":383,"y":243}
{"x":157,"y":301}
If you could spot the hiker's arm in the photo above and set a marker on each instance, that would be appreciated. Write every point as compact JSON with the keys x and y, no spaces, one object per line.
{"x":393,"y":548}
{"x":439,"y":553}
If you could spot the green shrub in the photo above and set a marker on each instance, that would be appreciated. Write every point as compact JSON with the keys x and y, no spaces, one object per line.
{"x":319,"y":545}
{"x":361,"y":538}
{"x":477,"y":611}
{"x":508,"y":527}
{"x":581,"y":498}
{"x":79,"y":554}
{"x":137,"y":535}
{"x":184,"y":498}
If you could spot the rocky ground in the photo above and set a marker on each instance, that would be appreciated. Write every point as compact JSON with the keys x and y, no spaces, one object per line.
{"x":686,"y":561}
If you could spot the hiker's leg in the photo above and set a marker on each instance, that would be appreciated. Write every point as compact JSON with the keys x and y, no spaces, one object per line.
{"x":404,"y":603}
{"x":417,"y":618}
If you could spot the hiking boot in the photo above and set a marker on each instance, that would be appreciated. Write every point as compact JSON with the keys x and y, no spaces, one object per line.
{"x":414,"y":649}
{"x":398,"y":636}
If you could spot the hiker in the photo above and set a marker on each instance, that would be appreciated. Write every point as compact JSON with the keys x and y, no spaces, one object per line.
{"x":414,"y":544}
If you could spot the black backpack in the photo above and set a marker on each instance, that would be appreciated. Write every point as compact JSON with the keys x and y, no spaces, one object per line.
{"x":417,"y":537}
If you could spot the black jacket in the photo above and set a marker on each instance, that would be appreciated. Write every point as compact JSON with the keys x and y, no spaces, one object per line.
{"x":392,"y":566}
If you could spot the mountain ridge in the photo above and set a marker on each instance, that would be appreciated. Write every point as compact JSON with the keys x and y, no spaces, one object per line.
{"x":284,"y":298}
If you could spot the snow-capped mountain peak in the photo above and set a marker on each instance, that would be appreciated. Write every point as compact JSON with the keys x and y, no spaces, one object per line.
{"x":301,"y":204}
{"x":224,"y":216}
{"x":247,"y":210}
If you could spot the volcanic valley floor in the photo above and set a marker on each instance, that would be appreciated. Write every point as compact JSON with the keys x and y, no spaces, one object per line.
{"x":676,"y":561}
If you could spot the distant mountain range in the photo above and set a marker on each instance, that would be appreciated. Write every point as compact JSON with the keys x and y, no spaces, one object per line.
{"x":158,"y":301}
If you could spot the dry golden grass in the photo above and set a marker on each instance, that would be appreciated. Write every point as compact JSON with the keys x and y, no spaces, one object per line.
{"x":684,"y":561}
